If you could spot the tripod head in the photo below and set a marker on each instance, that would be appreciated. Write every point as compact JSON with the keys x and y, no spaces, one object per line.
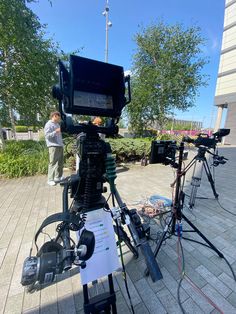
{"x":217,"y":159}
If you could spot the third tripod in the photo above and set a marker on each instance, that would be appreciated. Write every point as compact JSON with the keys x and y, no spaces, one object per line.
{"x":200,"y":162}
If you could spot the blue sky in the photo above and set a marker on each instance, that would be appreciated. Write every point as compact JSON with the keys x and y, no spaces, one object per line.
{"x":76,"y":24}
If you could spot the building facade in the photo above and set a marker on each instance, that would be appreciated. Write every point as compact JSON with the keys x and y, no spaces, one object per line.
{"x":225,"y":95}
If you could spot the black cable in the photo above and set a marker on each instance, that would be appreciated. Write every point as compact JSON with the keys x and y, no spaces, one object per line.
{"x":222,"y":207}
{"x":178,"y":295}
{"x":230,"y":267}
{"x":198,"y":242}
{"x":228,"y":211}
{"x":122,"y":260}
{"x":106,"y":203}
{"x":182,"y":276}
{"x":227,"y":262}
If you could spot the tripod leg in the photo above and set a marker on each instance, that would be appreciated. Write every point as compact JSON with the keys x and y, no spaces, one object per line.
{"x":210,"y":178}
{"x":112,"y":291}
{"x":193,"y":196}
{"x":123,"y":237}
{"x":86,"y":298}
{"x":196,"y":181}
{"x":157,"y":249}
{"x":202,"y":236}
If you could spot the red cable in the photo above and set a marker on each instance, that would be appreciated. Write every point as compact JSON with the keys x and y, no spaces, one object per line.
{"x":203,"y":294}
{"x":191,"y":282}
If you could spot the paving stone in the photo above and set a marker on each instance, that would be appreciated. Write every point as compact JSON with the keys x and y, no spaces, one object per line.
{"x":232,"y":299}
{"x":168,"y":301}
{"x":191,"y":307}
{"x":220,"y":301}
{"x":206,"y":262}
{"x":3,"y":297}
{"x":77,"y":293}
{"x":214,"y":281}
{"x":172,"y":285}
{"x":48,"y":298}
{"x":149,"y":298}
{"x":155,"y":286}
{"x":190,"y":260}
{"x":195,"y":277}
{"x":31,"y":300}
{"x":32,"y":311}
{"x":141,"y":309}
{"x":228,"y":281}
{"x":197,"y":297}
{"x":132,"y":289}
{"x":220,"y":262}
{"x":121,"y":304}
{"x":66,"y":304}
{"x":14,"y":304}
{"x":168,"y":263}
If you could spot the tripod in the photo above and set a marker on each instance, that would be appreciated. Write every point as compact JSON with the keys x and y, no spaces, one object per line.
{"x":175,"y":223}
{"x":96,"y":167}
{"x":199,"y":162}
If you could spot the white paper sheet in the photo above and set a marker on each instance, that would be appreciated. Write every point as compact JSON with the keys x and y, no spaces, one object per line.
{"x":105,"y":258}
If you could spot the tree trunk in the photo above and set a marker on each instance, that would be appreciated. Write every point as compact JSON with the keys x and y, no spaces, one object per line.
{"x":2,"y":141}
{"x":6,"y":100}
{"x":11,"y":114}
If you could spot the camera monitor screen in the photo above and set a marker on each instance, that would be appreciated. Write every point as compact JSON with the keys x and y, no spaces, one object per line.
{"x":96,"y":88}
{"x":92,"y":100}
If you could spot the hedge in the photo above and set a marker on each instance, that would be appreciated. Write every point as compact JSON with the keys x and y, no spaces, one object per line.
{"x":27,"y":158}
{"x":24,"y":128}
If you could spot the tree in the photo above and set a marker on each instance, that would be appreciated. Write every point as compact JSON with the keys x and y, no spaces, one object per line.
{"x":166,"y":74}
{"x":28,"y":62}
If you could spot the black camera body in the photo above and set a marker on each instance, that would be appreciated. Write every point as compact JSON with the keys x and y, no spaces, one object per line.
{"x":92,"y":151}
{"x":206,"y":140}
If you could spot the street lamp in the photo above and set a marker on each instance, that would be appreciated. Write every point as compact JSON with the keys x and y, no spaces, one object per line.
{"x":108,"y":24}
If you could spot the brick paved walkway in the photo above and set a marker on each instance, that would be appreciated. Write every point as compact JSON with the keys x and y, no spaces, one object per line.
{"x":24,"y":203}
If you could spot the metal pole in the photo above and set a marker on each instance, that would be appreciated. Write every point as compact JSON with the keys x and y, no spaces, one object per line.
{"x":108,"y":24}
{"x":107,"y":20}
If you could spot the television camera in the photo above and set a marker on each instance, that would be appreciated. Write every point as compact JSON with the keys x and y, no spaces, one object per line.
{"x":91,"y":88}
{"x":205,"y":144}
{"x":206,"y":140}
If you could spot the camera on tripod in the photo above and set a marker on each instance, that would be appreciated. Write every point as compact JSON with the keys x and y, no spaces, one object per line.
{"x":206,"y":140}
{"x":91,"y":88}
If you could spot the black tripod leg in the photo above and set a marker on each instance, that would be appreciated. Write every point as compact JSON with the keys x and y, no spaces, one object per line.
{"x":112,"y":292}
{"x":123,"y":237}
{"x":210,"y":178}
{"x":86,"y":298}
{"x":163,"y":236}
{"x":202,"y":236}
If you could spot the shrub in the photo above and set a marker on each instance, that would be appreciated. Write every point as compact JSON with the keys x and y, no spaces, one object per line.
{"x":21,"y":128}
{"x":125,"y":149}
{"x":166,"y":137}
{"x":24,"y":158}
{"x":33,"y":128}
{"x":128,"y":149}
